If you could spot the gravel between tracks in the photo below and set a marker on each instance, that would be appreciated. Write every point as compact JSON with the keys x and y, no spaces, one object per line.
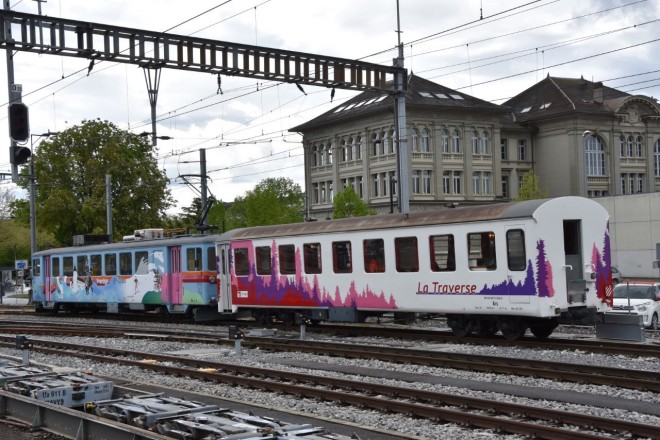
{"x":398,"y":423}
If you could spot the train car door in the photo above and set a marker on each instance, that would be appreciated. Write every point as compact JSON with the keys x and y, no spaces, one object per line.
{"x":175,"y":288}
{"x":516,"y":262}
{"x":46,"y":271}
{"x":573,"y":257}
{"x":224,"y":292}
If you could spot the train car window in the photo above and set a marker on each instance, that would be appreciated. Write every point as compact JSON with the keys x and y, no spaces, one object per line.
{"x":82,"y":264}
{"x":141,"y":263}
{"x":515,"y":249}
{"x":36,"y":267}
{"x":263,"y":260}
{"x":210,"y":257}
{"x":287,"y":259}
{"x":55,"y":266}
{"x":443,"y":256}
{"x":67,"y":266}
{"x":125,"y":263}
{"x":241,"y":262}
{"x":95,"y":264}
{"x":312,"y":253}
{"x":405,"y":250}
{"x":481,"y":251}
{"x":374,"y":255}
{"x":110,"y":264}
{"x":342,"y":259}
{"x":194,"y":259}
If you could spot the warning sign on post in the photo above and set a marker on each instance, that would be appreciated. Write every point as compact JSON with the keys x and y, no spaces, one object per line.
{"x":21,"y":264}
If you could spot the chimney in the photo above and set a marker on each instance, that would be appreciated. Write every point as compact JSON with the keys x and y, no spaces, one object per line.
{"x":598,"y":92}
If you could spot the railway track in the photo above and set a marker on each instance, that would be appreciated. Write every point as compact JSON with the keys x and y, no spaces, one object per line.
{"x":442,"y":407}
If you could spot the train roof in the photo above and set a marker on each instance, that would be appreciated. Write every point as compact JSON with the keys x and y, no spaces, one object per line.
{"x":137,"y":244}
{"x":478,"y":213}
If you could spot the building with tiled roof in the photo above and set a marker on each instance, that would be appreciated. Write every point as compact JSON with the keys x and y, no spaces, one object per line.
{"x":579,"y":137}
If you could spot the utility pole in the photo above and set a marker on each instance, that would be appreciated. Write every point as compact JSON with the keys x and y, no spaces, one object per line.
{"x":203,"y":190}
{"x":400,"y":122}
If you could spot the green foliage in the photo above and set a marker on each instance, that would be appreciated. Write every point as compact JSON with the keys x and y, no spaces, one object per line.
{"x":273,"y":201}
{"x":70,"y":169}
{"x":348,"y":204}
{"x":530,"y":190}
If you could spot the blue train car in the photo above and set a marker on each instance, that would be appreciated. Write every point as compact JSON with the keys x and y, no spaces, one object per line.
{"x":168,"y":275}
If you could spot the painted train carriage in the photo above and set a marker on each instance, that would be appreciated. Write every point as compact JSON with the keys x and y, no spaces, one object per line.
{"x":504,"y":267}
{"x":174,"y":275}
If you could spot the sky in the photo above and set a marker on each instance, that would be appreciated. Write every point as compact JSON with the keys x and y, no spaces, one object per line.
{"x":490,"y":49}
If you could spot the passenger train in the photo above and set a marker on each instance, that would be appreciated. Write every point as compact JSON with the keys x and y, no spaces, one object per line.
{"x":504,"y":267}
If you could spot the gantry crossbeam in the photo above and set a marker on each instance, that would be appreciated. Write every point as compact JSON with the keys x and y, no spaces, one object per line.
{"x":59,"y":36}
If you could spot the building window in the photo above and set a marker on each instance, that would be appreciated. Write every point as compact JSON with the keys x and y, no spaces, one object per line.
{"x":375,"y":141}
{"x":475,"y":142}
{"x":385,"y":146}
{"x":426,"y":176}
{"x":344,"y":151}
{"x":392,"y":182}
{"x":595,"y":157}
{"x":485,"y":143}
{"x":486,"y":182}
{"x":631,"y":146}
{"x":376,"y":185}
{"x":329,"y":149}
{"x":315,"y":157}
{"x":385,"y":184}
{"x":639,"y":146}
{"x":457,"y":178}
{"x":426,"y":145}
{"x":357,"y":149}
{"x":455,"y":142}
{"x":656,"y":158}
{"x":481,"y":182}
{"x":522,"y":150}
{"x":476,"y":178}
{"x":504,"y":149}
{"x":505,"y":187}
{"x":360,"y":189}
{"x":444,"y":136}
{"x":622,"y":146}
{"x":414,"y":141}
{"x":415,"y":181}
{"x":446,"y":182}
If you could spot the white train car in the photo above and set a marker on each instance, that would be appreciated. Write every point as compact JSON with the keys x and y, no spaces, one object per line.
{"x":500,"y":267}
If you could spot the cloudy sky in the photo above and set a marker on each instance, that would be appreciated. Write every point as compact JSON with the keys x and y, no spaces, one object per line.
{"x":491,"y":49}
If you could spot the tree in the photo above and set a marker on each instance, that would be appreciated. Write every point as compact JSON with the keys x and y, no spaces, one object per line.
{"x":530,"y":190}
{"x":273,"y":201}
{"x":70,"y":171}
{"x":348,"y":204}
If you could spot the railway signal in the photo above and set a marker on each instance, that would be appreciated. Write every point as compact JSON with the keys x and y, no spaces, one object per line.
{"x":19,"y":122}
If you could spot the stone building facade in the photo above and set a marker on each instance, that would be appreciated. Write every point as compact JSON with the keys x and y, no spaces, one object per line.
{"x":580,"y":138}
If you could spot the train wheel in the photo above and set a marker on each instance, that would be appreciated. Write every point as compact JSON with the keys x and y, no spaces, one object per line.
{"x":487,"y":328}
{"x":512,"y":329}
{"x":543,"y":329}
{"x":460,"y":325}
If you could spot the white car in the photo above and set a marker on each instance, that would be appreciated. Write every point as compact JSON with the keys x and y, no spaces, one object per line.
{"x":642,"y":299}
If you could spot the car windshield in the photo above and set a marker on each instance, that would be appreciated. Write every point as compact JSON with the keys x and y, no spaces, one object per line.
{"x":634,"y":292}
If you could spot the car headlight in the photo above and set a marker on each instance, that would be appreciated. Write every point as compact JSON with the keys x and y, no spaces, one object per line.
{"x":641,"y":308}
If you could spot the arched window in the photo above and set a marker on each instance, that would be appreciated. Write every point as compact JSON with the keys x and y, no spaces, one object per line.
{"x":358,"y":149}
{"x":351,"y":148}
{"x":444,"y":136}
{"x":456,"y":142}
{"x":329,"y":149}
{"x":426,"y":146}
{"x":386,"y":143}
{"x":344,"y":151}
{"x":656,"y":158}
{"x":594,"y":157}
{"x":375,"y":141}
{"x":414,"y":141}
{"x":485,"y":143}
{"x":475,"y":142}
{"x":622,"y":145}
{"x":639,"y":142}
{"x":395,"y":142}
